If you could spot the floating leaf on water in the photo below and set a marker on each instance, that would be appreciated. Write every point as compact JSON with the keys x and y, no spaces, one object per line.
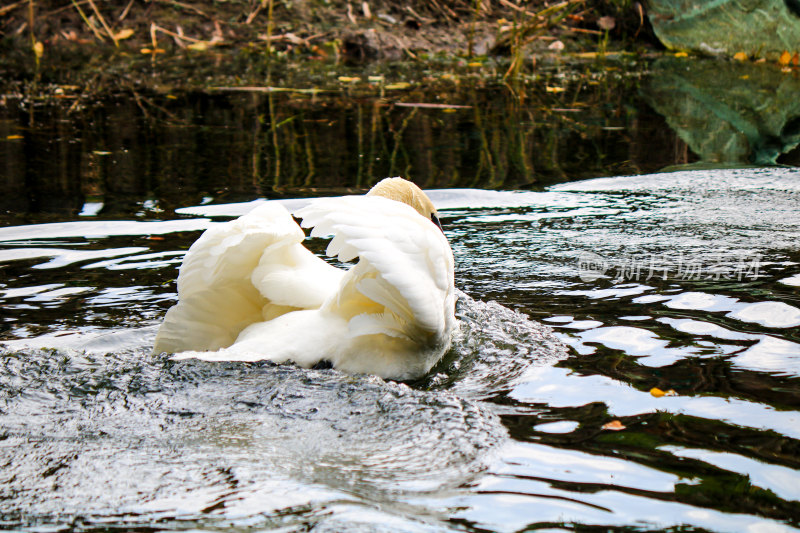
{"x":199,"y":46}
{"x":658,"y":393}
{"x":740,"y":56}
{"x":614,"y":425}
{"x":349,"y":79}
{"x":123,"y":34}
{"x":475,"y":64}
{"x":554,"y":89}
{"x":14,"y":137}
{"x":398,"y":85}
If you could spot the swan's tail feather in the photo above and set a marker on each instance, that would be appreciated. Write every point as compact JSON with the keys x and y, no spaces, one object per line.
{"x":206,"y":321}
{"x":238,"y":272}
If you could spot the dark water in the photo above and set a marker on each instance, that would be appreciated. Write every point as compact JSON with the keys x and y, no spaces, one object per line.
{"x":684,"y":281}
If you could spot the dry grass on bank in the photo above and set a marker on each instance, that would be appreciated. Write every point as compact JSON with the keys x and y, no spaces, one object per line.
{"x":360,"y":30}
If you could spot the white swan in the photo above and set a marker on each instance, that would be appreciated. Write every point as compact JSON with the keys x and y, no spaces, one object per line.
{"x":249,"y":290}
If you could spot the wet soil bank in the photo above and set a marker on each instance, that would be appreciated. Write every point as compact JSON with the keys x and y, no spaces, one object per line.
{"x":249,"y":42}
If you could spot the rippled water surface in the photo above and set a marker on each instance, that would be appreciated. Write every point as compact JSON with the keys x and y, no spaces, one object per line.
{"x":577,"y":301}
{"x":628,"y":354}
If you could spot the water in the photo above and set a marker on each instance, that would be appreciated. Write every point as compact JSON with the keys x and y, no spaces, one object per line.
{"x":578,"y":299}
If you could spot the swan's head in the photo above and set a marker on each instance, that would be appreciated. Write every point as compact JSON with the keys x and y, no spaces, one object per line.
{"x":404,"y":191}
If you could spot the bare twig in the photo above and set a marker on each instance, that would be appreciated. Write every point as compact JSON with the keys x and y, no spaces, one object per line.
{"x":12,"y":7}
{"x":103,"y":22}
{"x":426,"y":105}
{"x":186,"y":6}
{"x":88,"y":22}
{"x":446,"y":11}
{"x":516,"y":8}
{"x":180,"y":36}
{"x":584,"y":30}
{"x":33,"y":35}
{"x":253,"y":13}
{"x":418,"y":16}
{"x":125,"y":11}
{"x":64,"y":8}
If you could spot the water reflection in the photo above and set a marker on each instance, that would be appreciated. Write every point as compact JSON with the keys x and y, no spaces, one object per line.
{"x":124,"y":157}
{"x":729,"y":113}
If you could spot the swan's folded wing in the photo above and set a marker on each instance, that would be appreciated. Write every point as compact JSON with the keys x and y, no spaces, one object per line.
{"x":403,"y":284}
{"x":238,"y":272}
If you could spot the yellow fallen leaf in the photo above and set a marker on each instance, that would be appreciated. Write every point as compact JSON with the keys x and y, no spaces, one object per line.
{"x":101,"y":152}
{"x":740,"y":56}
{"x":171,"y":97}
{"x":554,"y":89}
{"x":398,"y":85}
{"x":475,"y":64}
{"x":614,"y":425}
{"x":681,"y":54}
{"x":658,"y":393}
{"x":152,"y":51}
{"x":121,"y":35}
{"x":14,"y":137}
{"x":199,"y":46}
{"x":785,"y":58}
{"x":349,"y":79}
{"x":38,"y":49}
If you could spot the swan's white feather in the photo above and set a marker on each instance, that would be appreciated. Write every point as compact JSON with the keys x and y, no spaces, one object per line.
{"x":408,"y":252}
{"x":239,"y":273}
{"x":391,"y":314}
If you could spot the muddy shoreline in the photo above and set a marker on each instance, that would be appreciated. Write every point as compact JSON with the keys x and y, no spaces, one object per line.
{"x":306,"y":43}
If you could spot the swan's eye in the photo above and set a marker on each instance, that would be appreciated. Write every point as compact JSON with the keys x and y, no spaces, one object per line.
{"x":435,"y":220}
